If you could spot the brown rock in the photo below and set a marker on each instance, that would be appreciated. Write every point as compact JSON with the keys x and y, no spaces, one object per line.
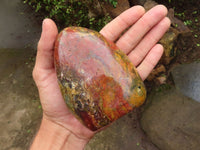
{"x":156,"y":72}
{"x":149,"y":4}
{"x":137,"y":2}
{"x":171,"y":121}
{"x":121,"y":6}
{"x":95,"y":8}
{"x":168,"y":41}
{"x":177,"y":34}
{"x":160,"y":69}
{"x":161,"y":79}
{"x":174,"y":38}
{"x":124,"y":134}
{"x":175,"y":22}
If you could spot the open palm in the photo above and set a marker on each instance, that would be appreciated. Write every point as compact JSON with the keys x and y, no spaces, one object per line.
{"x":139,"y":42}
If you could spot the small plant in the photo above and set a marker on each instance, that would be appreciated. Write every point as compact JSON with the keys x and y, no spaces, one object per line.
{"x":187,"y":22}
{"x":138,"y":144}
{"x":182,"y":15}
{"x":39,"y":107}
{"x":113,"y":2}
{"x":28,"y":131}
{"x":194,"y":12}
{"x":70,"y":12}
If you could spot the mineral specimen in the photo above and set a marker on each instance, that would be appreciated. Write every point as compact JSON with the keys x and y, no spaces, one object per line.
{"x":98,"y":82}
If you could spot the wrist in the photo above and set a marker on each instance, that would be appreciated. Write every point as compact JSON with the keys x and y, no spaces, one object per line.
{"x":52,"y":136}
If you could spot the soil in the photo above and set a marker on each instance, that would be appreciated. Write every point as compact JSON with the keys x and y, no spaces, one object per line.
{"x":189,"y":13}
{"x":188,"y":48}
{"x":186,"y":11}
{"x":19,"y":102}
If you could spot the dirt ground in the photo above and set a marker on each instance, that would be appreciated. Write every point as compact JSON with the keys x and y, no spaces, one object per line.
{"x":189,"y":13}
{"x":19,"y":102}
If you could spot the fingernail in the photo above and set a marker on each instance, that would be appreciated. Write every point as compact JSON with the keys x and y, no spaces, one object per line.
{"x":44,"y":22}
{"x":43,"y":27}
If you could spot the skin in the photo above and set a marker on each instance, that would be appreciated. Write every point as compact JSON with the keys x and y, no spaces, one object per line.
{"x":59,"y":128}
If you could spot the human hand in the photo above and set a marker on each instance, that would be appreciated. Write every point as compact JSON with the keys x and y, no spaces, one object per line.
{"x":138,"y":42}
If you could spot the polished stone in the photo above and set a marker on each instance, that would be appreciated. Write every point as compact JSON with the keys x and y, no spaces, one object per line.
{"x":97,"y":80}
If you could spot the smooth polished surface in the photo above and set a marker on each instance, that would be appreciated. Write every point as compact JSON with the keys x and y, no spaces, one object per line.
{"x":97,"y":80}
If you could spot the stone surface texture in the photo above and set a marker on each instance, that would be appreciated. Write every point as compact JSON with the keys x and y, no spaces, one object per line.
{"x":149,"y":4}
{"x":123,"y":134}
{"x":171,"y":120}
{"x":187,"y":79}
{"x":177,"y":35}
{"x":137,"y":2}
{"x":121,"y":7}
{"x":97,"y":80}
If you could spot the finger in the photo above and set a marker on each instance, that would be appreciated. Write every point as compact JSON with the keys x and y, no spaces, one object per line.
{"x":44,"y":59}
{"x":113,"y":29}
{"x":150,"y":61}
{"x":134,"y":35}
{"x":149,"y":41}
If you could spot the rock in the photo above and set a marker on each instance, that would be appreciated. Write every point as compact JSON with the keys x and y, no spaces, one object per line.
{"x":97,"y":80}
{"x":95,"y":8}
{"x":161,"y":79}
{"x":123,"y":134}
{"x":178,"y":24}
{"x":122,"y":5}
{"x":14,"y":81}
{"x":168,"y":41}
{"x":187,"y":79}
{"x":99,"y":8}
{"x":177,"y":36}
{"x":149,"y":4}
{"x":137,"y":2}
{"x":160,"y":69}
{"x":171,"y":121}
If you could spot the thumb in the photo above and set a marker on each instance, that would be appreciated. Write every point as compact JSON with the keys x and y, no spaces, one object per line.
{"x":44,"y":59}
